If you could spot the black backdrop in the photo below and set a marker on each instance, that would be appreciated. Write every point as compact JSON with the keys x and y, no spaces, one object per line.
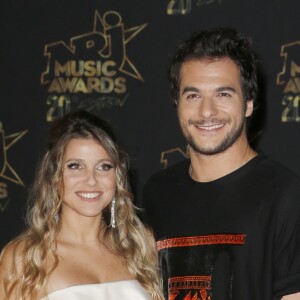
{"x":110,"y":57}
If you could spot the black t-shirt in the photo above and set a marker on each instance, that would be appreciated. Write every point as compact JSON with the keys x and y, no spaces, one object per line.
{"x":237,"y":237}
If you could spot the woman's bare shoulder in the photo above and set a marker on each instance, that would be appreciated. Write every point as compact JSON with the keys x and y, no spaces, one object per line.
{"x":10,"y":265}
{"x":12,"y":254}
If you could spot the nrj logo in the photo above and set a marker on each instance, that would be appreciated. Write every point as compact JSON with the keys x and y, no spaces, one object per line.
{"x":6,"y":170}
{"x":183,"y":7}
{"x":172,"y":156}
{"x":289,"y":79}
{"x":93,"y":62}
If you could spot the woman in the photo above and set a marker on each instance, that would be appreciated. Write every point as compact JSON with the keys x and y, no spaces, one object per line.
{"x":84,"y":240}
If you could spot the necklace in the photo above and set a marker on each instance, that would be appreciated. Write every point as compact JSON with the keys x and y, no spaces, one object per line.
{"x":190,"y":171}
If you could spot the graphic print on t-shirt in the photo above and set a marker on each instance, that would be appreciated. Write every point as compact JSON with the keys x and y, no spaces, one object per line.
{"x":199,"y":267}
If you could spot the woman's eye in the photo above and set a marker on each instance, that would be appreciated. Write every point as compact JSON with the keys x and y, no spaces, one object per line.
{"x":74,"y":166}
{"x":105,"y":166}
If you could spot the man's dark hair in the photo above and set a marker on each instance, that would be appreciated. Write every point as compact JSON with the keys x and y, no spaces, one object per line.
{"x":216,"y":44}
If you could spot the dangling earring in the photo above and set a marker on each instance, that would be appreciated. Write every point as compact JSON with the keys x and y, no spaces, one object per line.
{"x":112,"y":213}
{"x":56,"y":216}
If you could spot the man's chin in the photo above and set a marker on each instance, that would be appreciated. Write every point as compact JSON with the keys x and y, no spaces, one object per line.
{"x":209,"y":150}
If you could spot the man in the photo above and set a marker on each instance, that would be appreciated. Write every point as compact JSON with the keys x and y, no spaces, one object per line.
{"x":227,"y":221}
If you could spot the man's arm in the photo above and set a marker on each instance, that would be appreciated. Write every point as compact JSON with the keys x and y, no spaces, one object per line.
{"x":286,"y":261}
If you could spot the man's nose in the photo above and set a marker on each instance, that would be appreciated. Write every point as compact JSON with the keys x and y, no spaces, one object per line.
{"x":207,"y":107}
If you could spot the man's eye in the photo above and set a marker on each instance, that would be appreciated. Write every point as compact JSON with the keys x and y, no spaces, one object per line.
{"x":105,"y":166}
{"x":226,"y":95}
{"x":192,"y":96}
{"x":74,"y":166}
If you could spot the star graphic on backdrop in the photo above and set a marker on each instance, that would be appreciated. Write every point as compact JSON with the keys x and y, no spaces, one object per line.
{"x":6,"y":142}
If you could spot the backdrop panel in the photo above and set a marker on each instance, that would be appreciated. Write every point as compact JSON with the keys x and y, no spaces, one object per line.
{"x":111,"y":57}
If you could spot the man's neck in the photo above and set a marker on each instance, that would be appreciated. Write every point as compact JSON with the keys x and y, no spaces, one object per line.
{"x":205,"y":168}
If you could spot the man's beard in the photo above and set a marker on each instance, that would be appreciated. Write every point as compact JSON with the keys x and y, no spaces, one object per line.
{"x":226,"y":143}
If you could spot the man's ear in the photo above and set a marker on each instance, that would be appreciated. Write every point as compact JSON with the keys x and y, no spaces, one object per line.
{"x":249,"y":108}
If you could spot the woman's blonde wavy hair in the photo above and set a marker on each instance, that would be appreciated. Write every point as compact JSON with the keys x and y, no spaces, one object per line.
{"x":130,"y":239}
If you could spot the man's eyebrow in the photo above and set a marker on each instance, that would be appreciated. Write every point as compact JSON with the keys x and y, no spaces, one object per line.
{"x":190,"y":89}
{"x":226,"y":88}
{"x":218,"y":90}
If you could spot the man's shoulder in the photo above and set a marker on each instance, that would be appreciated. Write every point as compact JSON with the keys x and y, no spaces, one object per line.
{"x":277,"y":181}
{"x":278,"y":170}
